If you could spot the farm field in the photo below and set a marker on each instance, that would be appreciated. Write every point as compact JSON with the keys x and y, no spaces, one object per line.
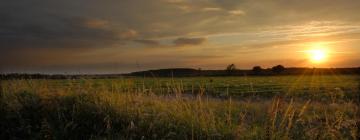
{"x":247,"y":107}
{"x":180,"y":70}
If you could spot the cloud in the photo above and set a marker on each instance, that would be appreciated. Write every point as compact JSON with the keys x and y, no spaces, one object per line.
{"x":148,"y":42}
{"x":77,"y":28}
{"x":229,"y":4}
{"x":189,"y":41}
{"x":211,"y":9}
{"x":182,"y":41}
{"x":129,"y":34}
{"x":95,"y":23}
{"x":61,"y":32}
{"x":205,"y":16}
{"x":236,"y":12}
{"x":175,"y":1}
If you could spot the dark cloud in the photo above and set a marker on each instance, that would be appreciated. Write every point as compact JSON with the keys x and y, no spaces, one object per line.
{"x":229,"y":4}
{"x":174,"y":18}
{"x":148,"y":42}
{"x":64,"y":32}
{"x":189,"y":41}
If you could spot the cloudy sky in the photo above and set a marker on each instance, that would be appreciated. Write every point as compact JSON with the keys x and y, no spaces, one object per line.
{"x":115,"y":36}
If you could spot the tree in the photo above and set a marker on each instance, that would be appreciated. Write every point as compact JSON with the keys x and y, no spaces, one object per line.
{"x":257,"y":69}
{"x":231,"y":68}
{"x":278,"y":69}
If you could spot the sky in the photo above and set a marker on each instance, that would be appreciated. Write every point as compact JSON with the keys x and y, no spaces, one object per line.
{"x":119,"y":36}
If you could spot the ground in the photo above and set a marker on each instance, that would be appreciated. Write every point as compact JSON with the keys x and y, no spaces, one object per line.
{"x":258,"y":107}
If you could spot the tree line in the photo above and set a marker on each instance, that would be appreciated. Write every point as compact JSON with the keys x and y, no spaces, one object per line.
{"x":230,"y":70}
{"x":257,"y":70}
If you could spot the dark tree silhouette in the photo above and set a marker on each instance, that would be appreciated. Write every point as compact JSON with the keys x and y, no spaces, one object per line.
{"x":257,"y":70}
{"x":230,"y":68}
{"x":278,"y":69}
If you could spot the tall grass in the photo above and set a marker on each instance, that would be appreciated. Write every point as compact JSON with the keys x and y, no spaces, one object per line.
{"x":32,"y":109}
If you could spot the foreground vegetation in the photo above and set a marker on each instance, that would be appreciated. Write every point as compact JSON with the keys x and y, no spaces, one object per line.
{"x":312,"y":107}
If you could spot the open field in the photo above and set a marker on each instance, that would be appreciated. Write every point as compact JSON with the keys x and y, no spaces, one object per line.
{"x":273,"y":107}
{"x":180,"y":70}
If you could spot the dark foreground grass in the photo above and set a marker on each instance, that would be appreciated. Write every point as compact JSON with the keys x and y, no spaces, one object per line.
{"x":38,"y":111}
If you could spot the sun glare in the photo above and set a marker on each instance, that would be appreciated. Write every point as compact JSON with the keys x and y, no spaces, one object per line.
{"x":318,"y":52}
{"x":318,"y":56}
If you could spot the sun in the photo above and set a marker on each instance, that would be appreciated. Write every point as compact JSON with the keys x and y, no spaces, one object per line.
{"x":318,"y":56}
{"x":318,"y":52}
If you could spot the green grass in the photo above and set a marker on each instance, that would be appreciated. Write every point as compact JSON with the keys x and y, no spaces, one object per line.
{"x":308,"y":86}
{"x":277,"y":107}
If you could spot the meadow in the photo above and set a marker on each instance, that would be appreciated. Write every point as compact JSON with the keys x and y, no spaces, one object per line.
{"x":245,"y":107}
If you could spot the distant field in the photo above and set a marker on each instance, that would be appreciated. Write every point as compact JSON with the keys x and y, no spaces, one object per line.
{"x":272,"y":107}
{"x":262,"y":86}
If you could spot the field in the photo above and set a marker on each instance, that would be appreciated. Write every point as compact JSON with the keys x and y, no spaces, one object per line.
{"x":263,"y":107}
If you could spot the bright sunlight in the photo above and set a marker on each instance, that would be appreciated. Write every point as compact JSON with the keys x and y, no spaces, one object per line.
{"x":317,"y":52}
{"x":318,"y":56}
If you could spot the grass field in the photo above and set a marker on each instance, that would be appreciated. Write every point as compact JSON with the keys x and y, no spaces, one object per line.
{"x":273,"y":107}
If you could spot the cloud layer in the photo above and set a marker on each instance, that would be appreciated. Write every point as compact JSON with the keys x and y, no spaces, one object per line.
{"x":189,"y":41}
{"x":46,"y":35}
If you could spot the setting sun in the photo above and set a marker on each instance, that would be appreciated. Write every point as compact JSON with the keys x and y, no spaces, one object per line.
{"x":318,"y":56}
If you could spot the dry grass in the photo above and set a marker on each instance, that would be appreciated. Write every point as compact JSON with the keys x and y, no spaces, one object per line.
{"x":39,"y":109}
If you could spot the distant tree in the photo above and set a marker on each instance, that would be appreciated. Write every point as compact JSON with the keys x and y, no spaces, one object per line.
{"x":278,"y":69}
{"x":199,"y":72}
{"x":257,"y":69}
{"x":230,"y":68}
